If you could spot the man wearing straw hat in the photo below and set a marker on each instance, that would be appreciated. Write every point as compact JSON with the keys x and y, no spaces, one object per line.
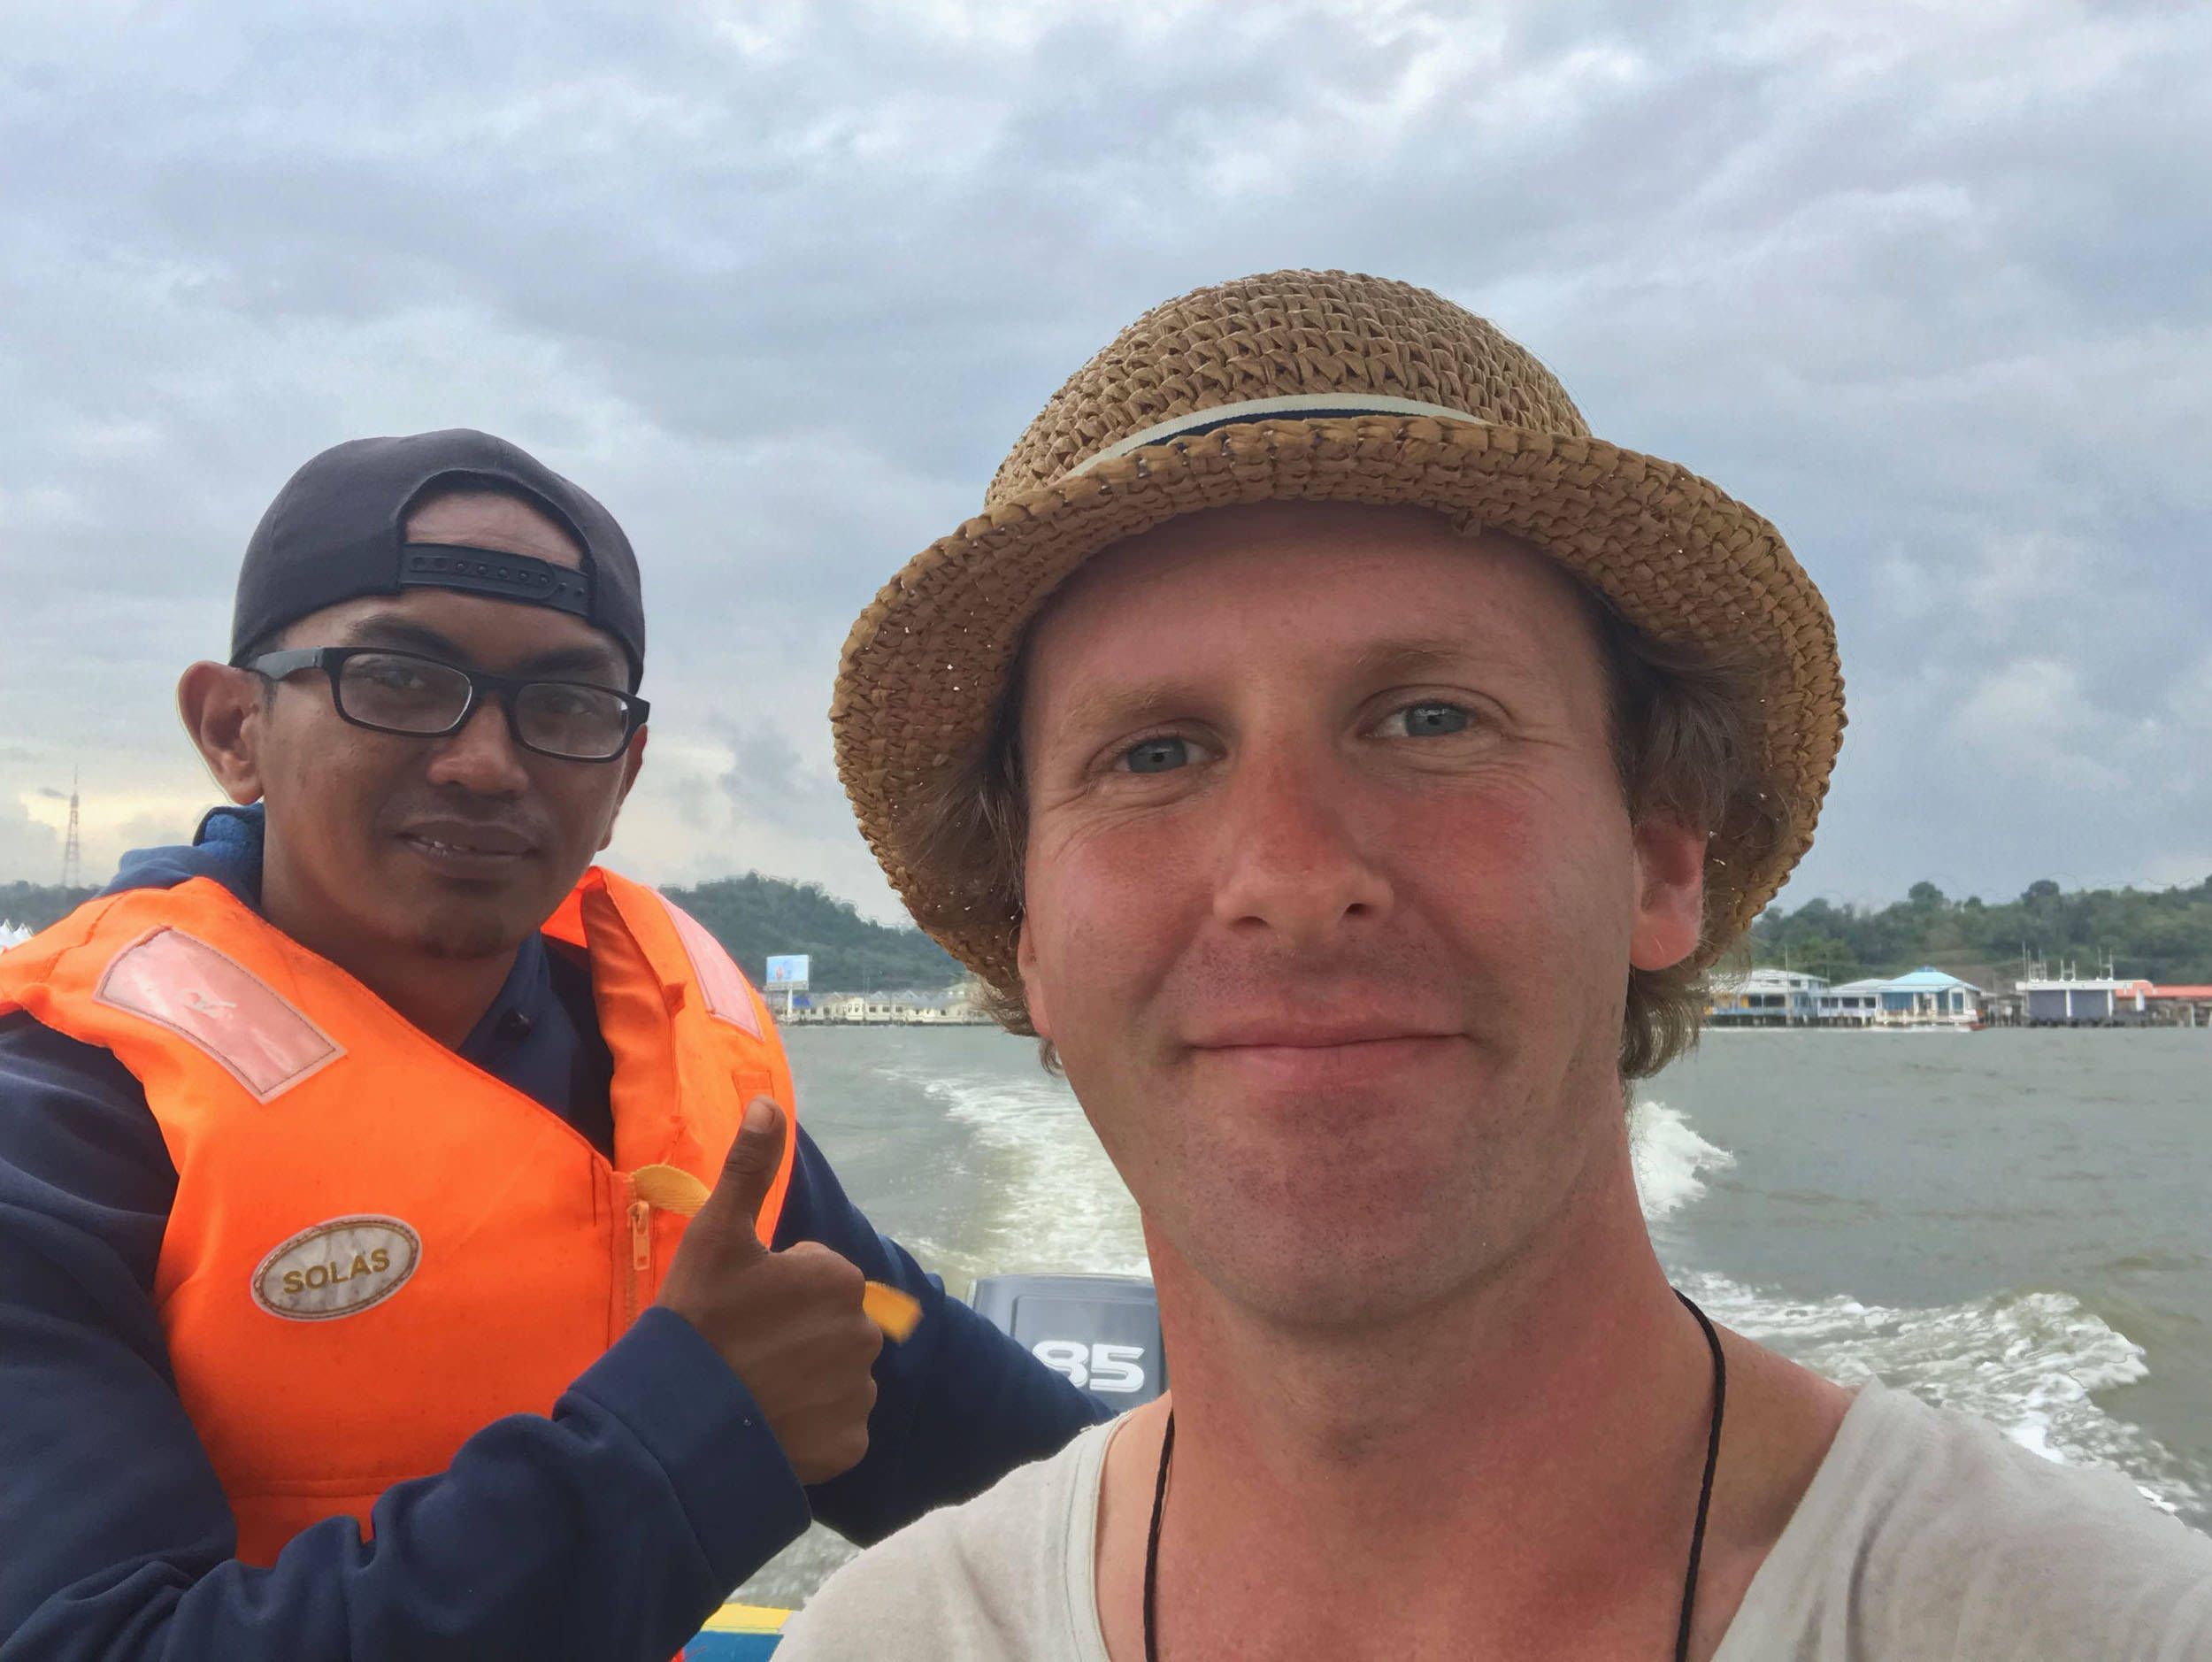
{"x":1348,"y":767}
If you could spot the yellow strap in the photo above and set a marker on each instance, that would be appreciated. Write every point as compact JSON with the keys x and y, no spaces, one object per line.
{"x":671,"y":1189}
{"x":746,"y":1619}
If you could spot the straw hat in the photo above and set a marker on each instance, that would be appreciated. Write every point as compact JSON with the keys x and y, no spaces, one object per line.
{"x":1318,"y":385}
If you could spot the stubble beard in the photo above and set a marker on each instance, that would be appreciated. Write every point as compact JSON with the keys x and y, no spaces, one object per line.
{"x":459,"y":934}
{"x":1438,"y":1233}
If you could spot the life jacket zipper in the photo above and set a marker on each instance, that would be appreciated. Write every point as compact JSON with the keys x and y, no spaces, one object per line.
{"x":640,"y":1265}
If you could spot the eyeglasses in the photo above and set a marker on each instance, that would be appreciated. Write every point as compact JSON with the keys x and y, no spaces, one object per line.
{"x":423,"y":698}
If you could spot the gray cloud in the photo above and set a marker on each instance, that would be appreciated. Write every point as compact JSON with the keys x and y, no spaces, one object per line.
{"x":1930,"y":286}
{"x":28,"y":851}
{"x":768,"y":782}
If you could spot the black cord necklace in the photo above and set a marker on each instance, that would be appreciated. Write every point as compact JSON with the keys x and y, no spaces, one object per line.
{"x":1697,"y":1534}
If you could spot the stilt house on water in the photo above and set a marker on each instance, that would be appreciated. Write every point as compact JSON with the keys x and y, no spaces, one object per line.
{"x":1927,"y":997}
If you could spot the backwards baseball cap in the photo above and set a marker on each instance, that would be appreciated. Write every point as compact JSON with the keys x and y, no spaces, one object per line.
{"x":337,"y":532}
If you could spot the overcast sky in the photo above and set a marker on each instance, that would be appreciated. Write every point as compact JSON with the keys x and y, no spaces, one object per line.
{"x":1931,"y":286}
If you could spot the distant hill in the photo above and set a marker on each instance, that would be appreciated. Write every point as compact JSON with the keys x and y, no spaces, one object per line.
{"x":34,"y":905}
{"x":2160,"y":934}
{"x":755,"y":916}
{"x":752,"y":916}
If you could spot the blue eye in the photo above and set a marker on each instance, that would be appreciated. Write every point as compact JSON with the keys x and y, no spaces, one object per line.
{"x":1432,"y":722}
{"x":1156,"y":755}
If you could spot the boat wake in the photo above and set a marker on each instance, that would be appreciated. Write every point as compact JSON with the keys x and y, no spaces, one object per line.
{"x":1670,"y":1158}
{"x":1058,"y":1205}
{"x":2027,"y":1362}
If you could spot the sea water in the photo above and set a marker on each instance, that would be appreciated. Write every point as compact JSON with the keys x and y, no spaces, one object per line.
{"x":2018,"y":1224}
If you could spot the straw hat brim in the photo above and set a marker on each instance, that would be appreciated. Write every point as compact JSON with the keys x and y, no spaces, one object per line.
{"x":925,"y":664}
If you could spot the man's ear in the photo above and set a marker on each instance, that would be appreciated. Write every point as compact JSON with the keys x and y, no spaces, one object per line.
{"x":632,"y":759}
{"x":1669,"y":893}
{"x":223,"y":709}
{"x":1032,"y":988}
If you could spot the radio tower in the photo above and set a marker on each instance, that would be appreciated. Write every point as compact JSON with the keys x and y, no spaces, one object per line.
{"x":72,"y":855}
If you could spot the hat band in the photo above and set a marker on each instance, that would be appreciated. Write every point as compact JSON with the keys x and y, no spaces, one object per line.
{"x":484,"y":571}
{"x":1305,"y":406}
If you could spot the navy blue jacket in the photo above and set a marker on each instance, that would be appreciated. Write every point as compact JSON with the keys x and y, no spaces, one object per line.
{"x":608,"y":1530}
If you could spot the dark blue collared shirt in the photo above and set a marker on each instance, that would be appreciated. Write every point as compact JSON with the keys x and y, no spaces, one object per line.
{"x":609,"y":1529}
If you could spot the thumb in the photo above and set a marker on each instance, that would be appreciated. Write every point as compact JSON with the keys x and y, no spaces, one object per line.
{"x":748,"y":1174}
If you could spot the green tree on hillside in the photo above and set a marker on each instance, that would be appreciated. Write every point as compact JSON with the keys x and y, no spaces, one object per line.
{"x":1825,"y":956}
{"x":2158,"y":934}
{"x":756,"y":918}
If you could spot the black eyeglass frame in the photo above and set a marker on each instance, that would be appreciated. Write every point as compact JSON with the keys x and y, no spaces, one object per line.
{"x":332,"y":660}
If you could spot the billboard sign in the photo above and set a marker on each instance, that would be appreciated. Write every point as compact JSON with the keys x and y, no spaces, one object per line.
{"x":788,"y":974}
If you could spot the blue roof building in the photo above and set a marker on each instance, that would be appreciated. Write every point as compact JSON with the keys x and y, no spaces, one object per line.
{"x":1928,"y":996}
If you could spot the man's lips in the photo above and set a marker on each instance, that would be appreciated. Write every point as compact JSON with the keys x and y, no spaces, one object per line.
{"x":1305,"y":1057}
{"x":457,"y":840}
{"x":1322,"y":1035}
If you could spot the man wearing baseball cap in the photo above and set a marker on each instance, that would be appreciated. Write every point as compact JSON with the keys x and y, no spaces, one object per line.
{"x":406,"y":1250}
{"x":1347,"y":766}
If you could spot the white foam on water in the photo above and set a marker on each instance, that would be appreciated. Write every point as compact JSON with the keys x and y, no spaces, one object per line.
{"x":1669,"y":1156}
{"x":1061,"y":1208}
{"x":2026,"y":1362}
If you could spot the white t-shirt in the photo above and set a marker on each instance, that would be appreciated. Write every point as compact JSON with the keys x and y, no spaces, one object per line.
{"x":1924,"y":1535}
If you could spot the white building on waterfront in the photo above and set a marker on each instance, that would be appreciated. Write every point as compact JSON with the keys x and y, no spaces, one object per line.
{"x":2103,"y":1002}
{"x":956,"y":1005}
{"x":1854,"y":1004}
{"x":1765,"y":998}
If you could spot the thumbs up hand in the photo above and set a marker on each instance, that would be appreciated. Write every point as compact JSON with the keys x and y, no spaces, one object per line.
{"x":790,"y":1324}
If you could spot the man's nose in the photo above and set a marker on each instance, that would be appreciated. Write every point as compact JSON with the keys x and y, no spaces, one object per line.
{"x":482,"y":757}
{"x":1294,"y":860}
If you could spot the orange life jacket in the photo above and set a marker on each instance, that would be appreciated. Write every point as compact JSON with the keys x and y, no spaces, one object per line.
{"x":376,"y":1247}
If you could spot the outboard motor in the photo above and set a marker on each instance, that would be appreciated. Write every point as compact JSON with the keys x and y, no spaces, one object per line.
{"x":1101,"y":1331}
